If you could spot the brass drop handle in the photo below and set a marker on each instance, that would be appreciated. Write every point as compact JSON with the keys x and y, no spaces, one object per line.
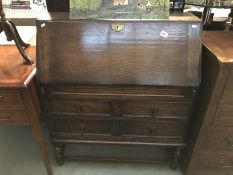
{"x":82,"y":128}
{"x":155,"y":112}
{"x":152,"y":130}
{"x":223,"y":164}
{"x":230,"y":142}
{"x":7,"y":116}
{"x":79,"y":109}
{"x":1,"y":98}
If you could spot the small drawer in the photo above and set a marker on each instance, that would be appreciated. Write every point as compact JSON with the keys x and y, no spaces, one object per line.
{"x":10,"y":97}
{"x":219,"y":139}
{"x":224,"y":114}
{"x":156,"y":109}
{"x":215,"y":162}
{"x":82,"y":127}
{"x":158,"y":128}
{"x":79,"y":107}
{"x":13,"y":115}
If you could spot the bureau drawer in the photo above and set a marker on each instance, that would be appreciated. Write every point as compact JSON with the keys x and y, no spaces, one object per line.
{"x":13,"y":115}
{"x":219,"y":139}
{"x":82,"y":127}
{"x":156,"y":109}
{"x":10,"y":97}
{"x":79,"y":107}
{"x":224,"y":114}
{"x":215,"y":162}
{"x":150,"y":128}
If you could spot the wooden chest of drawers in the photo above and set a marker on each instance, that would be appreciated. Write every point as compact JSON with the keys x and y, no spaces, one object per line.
{"x":19,"y":103}
{"x":133,"y":87}
{"x":212,"y":149}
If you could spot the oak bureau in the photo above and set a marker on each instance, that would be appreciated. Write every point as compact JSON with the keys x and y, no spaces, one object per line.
{"x":119,"y":81}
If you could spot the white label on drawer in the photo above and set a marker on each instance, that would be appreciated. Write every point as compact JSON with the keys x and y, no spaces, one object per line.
{"x":164,"y":34}
{"x":194,"y":26}
{"x":42,"y":25}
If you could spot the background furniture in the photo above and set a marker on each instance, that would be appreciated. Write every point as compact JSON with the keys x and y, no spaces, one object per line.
{"x":19,"y":103}
{"x":211,"y":146}
{"x":135,"y":86}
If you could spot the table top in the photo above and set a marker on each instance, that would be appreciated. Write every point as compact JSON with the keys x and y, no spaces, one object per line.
{"x":220,"y":44}
{"x":14,"y":72}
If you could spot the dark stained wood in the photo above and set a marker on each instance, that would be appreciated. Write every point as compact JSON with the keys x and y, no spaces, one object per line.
{"x":137,"y":55}
{"x":14,"y":72}
{"x":211,"y":147}
{"x":19,"y":103}
{"x":131,"y":87}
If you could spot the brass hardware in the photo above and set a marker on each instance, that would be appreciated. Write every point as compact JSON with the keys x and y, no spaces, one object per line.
{"x":230,"y":142}
{"x":155,"y":112}
{"x":225,"y":165}
{"x":118,"y":27}
{"x":82,"y":128}
{"x":152,"y":130}
{"x":6,"y":116}
{"x":79,"y":109}
{"x":1,"y":98}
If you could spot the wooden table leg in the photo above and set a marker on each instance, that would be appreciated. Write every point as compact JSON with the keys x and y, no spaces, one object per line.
{"x":31,"y":102}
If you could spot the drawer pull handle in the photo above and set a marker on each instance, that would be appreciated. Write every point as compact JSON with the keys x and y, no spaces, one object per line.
{"x":82,"y":128}
{"x":7,"y":116}
{"x":1,"y":98}
{"x":230,"y":142}
{"x":155,"y":112}
{"x":79,"y":109}
{"x":222,"y":164}
{"x":152,"y":131}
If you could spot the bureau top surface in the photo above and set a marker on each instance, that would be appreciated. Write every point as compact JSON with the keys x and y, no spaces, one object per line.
{"x":13,"y":70}
{"x":176,"y":17}
{"x":220,"y":44}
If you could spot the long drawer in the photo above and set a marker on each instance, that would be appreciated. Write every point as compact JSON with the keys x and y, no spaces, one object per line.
{"x":12,"y":115}
{"x":219,"y":139}
{"x":136,"y":128}
{"x":10,"y":97}
{"x":96,"y":107}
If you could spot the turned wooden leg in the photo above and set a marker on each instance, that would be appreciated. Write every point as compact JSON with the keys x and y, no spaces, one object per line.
{"x":176,"y":158}
{"x":59,"y":149}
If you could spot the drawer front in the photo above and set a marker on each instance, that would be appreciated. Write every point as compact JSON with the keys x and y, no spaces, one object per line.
{"x":124,"y":128}
{"x":79,"y":107}
{"x":82,"y":127}
{"x":216,"y":162}
{"x":219,"y":139}
{"x":10,"y":97}
{"x":155,"y":129}
{"x":13,"y":115}
{"x":155,"y":109}
{"x":136,"y":55}
{"x":224,"y":114}
{"x":228,"y":91}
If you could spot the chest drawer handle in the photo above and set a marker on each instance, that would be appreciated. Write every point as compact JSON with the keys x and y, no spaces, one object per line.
{"x":152,"y":131}
{"x":230,"y":142}
{"x":155,"y":112}
{"x":7,"y":116}
{"x":83,"y":128}
{"x":1,"y":98}
{"x":79,"y":109}
{"x":223,"y":164}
